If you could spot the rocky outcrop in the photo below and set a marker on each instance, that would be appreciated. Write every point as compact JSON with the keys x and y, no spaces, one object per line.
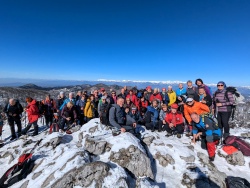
{"x":133,"y":160}
{"x":148,"y":140}
{"x":236,"y":158}
{"x":164,"y":160}
{"x":95,"y":147}
{"x":84,"y":176}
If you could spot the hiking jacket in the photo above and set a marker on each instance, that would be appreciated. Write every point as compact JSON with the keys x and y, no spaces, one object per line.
{"x":197,"y":107}
{"x":206,"y":88}
{"x":32,"y":111}
{"x":66,"y":101}
{"x":103,"y":109}
{"x":133,"y":98}
{"x":122,"y":95}
{"x":165,"y":97}
{"x":49,"y":106}
{"x":207,"y":127}
{"x":142,"y":104}
{"x":66,"y":112}
{"x":89,"y":109}
{"x":191,"y":93}
{"x":219,"y":97}
{"x":156,"y":96}
{"x":60,"y":102}
{"x":172,"y":97}
{"x":162,"y":115}
{"x":175,"y":118}
{"x":206,"y":98}
{"x":180,"y":92}
{"x":16,"y":109}
{"x":118,"y":118}
{"x":80,"y":104}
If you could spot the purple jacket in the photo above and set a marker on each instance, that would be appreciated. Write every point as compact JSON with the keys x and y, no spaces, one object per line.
{"x":219,"y":97}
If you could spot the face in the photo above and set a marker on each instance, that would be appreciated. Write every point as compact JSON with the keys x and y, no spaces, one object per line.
{"x":127,"y":100}
{"x":113,"y":93}
{"x":47,"y":97}
{"x":163,"y":90}
{"x":169,"y":88}
{"x":122,"y":90}
{"x":133,"y":111}
{"x":180,"y":86}
{"x":142,"y":99}
{"x":198,"y":83}
{"x":130,"y":92}
{"x":173,"y":110}
{"x":120,"y":102}
{"x":96,"y":92}
{"x":164,"y":108}
{"x":12,"y":102}
{"x":190,"y":103}
{"x":92,"y":98}
{"x":195,"y":118}
{"x":220,"y":86}
{"x":189,"y":84}
{"x":201,"y":91}
{"x":155,"y":104}
{"x":155,"y":90}
{"x":79,"y":93}
{"x":71,"y":95}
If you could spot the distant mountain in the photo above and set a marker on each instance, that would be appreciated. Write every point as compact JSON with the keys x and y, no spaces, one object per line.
{"x":31,"y":86}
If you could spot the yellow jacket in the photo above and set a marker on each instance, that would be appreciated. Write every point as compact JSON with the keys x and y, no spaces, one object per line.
{"x":88,"y":110}
{"x":172,"y":97}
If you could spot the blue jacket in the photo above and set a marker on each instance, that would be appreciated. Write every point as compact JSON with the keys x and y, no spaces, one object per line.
{"x":180,"y":92}
{"x":207,"y":131}
{"x":66,"y":101}
{"x":155,"y":113}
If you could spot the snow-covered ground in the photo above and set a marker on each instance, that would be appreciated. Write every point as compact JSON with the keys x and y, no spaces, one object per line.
{"x":54,"y":162}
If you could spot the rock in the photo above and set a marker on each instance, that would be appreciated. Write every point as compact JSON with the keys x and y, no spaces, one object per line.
{"x":246,"y":135}
{"x":93,"y":129}
{"x":27,"y":143}
{"x":236,"y":158}
{"x":95,"y":147}
{"x":76,"y":128}
{"x":189,"y":159}
{"x":35,"y":175}
{"x":214,"y":174}
{"x":108,"y":147}
{"x":84,"y":176}
{"x":148,"y":140}
{"x":164,"y":160}
{"x":48,"y":180}
{"x":169,"y":145}
{"x":191,"y":147}
{"x":54,"y":142}
{"x":25,"y":184}
{"x":134,"y":160}
{"x":80,"y":137}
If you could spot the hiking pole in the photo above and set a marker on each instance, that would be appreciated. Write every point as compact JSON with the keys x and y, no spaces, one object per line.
{"x":37,"y":144}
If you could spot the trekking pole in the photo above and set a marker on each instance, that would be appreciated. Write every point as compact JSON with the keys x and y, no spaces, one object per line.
{"x":37,"y":144}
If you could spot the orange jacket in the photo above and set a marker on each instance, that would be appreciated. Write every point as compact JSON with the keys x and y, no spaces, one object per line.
{"x":197,"y":107}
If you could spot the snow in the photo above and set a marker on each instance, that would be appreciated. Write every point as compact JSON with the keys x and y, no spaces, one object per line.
{"x":68,"y":156}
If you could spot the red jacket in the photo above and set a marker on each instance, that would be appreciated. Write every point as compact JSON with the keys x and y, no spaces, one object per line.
{"x":155,"y":96}
{"x":32,"y":111}
{"x":142,"y":104}
{"x":133,"y":99}
{"x":177,"y":118}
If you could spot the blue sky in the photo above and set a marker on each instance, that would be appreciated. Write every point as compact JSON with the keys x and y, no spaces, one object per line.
{"x":131,"y":40}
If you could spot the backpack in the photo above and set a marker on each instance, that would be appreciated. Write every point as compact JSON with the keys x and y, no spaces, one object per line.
{"x":237,"y":182}
{"x":212,"y":118}
{"x":236,"y":96}
{"x":238,"y":143}
{"x":229,"y":149}
{"x":41,"y":107}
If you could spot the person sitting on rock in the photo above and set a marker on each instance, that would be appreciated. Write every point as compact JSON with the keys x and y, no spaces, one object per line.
{"x":163,"y":112}
{"x":69,"y":116}
{"x":134,"y":113}
{"x":13,"y":111}
{"x":174,"y":122}
{"x":192,"y":106}
{"x":118,"y":118}
{"x":150,"y":116}
{"x":207,"y":130}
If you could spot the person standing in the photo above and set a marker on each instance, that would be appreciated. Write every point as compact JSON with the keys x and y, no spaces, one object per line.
{"x":13,"y":111}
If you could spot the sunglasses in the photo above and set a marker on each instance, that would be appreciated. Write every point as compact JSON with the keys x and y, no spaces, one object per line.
{"x":219,"y":85}
{"x":113,"y":93}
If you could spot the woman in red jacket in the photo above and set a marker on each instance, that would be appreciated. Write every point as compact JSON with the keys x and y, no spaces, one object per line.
{"x":174,"y":122}
{"x":132,"y":97}
{"x":33,"y":115}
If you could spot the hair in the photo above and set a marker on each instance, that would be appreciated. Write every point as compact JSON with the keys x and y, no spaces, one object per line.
{"x":28,"y":99}
{"x":70,"y":104}
{"x":189,"y":81}
{"x":155,"y":100}
{"x":194,"y":113}
{"x":200,"y":80}
{"x":163,"y":106}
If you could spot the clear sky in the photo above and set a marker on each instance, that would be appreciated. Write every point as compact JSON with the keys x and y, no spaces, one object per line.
{"x":126,"y":39}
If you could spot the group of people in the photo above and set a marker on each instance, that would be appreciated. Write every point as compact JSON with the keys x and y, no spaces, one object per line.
{"x":186,"y":108}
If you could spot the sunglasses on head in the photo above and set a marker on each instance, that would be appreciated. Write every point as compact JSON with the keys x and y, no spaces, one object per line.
{"x":220,"y":85}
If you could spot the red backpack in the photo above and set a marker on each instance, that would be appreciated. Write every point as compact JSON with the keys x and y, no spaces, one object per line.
{"x":238,"y":143}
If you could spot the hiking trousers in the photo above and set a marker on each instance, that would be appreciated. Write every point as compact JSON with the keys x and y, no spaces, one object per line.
{"x":29,"y":126}
{"x":179,"y":128}
{"x":12,"y":121}
{"x":223,"y":119}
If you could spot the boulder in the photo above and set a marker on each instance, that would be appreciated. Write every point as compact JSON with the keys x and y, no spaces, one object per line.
{"x":84,"y":176}
{"x":164,"y":160}
{"x":148,"y":140}
{"x":236,"y":158}
{"x":134,"y":160}
{"x":94,"y":146}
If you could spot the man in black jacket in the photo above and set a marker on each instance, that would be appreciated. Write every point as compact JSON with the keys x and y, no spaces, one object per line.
{"x":13,"y":111}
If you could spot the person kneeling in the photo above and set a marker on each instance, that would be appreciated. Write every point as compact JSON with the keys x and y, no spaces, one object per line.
{"x":174,"y":122}
{"x":206,"y":129}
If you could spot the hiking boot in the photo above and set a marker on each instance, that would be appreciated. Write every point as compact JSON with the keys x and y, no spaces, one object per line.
{"x":178,"y":135}
{"x":211,"y":158}
{"x":13,"y":138}
{"x":168,"y":134}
